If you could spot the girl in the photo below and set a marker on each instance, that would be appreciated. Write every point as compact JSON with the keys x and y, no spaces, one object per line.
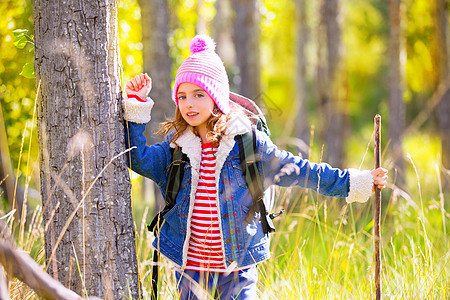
{"x":206,"y":234}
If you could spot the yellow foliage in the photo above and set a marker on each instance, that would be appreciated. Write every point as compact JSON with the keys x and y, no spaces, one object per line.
{"x":364,"y":51}
{"x":130,"y":37}
{"x":425,"y":151}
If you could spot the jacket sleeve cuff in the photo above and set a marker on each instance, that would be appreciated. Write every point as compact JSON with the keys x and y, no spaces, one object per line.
{"x":137,"y":111}
{"x":361,"y":184}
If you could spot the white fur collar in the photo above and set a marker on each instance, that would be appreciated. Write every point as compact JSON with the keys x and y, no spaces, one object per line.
{"x":191,"y":144}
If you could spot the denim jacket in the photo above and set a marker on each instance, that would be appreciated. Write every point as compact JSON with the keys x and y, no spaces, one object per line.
{"x":244,"y":244}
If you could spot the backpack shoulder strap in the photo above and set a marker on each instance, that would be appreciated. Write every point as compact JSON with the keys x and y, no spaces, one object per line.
{"x":174,"y":179}
{"x":249,"y":166}
{"x":175,"y":176}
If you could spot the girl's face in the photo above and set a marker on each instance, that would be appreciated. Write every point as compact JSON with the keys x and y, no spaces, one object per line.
{"x":195,"y":105}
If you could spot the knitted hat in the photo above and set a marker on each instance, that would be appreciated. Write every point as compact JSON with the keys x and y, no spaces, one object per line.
{"x":205,"y":69}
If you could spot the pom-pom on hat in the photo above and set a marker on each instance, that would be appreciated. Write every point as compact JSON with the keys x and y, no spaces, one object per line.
{"x":205,"y":69}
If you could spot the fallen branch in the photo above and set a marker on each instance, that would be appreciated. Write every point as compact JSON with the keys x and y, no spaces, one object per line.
{"x":3,"y":285}
{"x":23,"y":267}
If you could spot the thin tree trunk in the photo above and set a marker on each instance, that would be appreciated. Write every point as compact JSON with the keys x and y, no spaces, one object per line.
{"x":331,"y":83}
{"x":246,"y":43}
{"x":157,"y":63}
{"x":84,"y":176}
{"x":12,"y":191}
{"x":222,"y":31}
{"x":301,"y":93}
{"x":322,"y":71}
{"x":396,"y":103}
{"x":443,"y":67}
{"x":336,"y":112}
{"x":201,"y":22}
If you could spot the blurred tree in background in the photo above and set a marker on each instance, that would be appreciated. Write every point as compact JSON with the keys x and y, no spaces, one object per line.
{"x":396,"y":102}
{"x":246,"y":38}
{"x":157,"y":62}
{"x":16,"y":102}
{"x":442,"y":61}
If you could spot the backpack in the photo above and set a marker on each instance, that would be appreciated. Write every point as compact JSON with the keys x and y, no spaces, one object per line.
{"x":247,"y":150}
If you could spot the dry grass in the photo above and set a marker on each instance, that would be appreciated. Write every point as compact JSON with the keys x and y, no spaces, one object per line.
{"x":322,"y":248}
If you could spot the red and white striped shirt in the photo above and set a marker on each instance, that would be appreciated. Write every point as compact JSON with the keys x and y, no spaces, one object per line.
{"x":205,"y":246}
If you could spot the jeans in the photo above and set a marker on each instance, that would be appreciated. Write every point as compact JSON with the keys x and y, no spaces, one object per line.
{"x":236,"y":285}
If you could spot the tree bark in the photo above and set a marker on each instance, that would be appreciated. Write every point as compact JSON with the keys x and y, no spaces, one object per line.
{"x":396,"y":103}
{"x":246,"y":43}
{"x":442,"y":65}
{"x":84,"y":179}
{"x":301,"y":93}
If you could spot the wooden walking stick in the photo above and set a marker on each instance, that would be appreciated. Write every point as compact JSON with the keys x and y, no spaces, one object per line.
{"x":377,"y":208}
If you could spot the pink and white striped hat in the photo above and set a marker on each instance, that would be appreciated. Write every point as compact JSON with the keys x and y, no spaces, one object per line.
{"x":205,"y":69}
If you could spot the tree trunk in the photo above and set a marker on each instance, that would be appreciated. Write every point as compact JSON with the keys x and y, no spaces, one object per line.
{"x":301,"y":93}
{"x":157,"y":63}
{"x":442,"y":64}
{"x":222,"y":32}
{"x":396,"y":103}
{"x":201,"y":25}
{"x":246,"y":43}
{"x":322,"y":71}
{"x":332,"y":86}
{"x":13,"y":193}
{"x":85,"y":186}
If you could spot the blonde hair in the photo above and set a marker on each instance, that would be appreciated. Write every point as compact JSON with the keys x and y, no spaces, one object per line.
{"x":216,"y":124}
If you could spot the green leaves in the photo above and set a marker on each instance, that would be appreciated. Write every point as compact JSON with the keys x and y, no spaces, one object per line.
{"x":28,"y":71}
{"x":20,"y":32}
{"x":21,"y":40}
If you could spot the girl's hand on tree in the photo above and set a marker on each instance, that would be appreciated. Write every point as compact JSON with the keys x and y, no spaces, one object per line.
{"x":380,"y":177}
{"x":140,"y":85}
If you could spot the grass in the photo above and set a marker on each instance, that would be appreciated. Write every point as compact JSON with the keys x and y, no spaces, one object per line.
{"x":322,"y":248}
{"x":315,"y":256}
